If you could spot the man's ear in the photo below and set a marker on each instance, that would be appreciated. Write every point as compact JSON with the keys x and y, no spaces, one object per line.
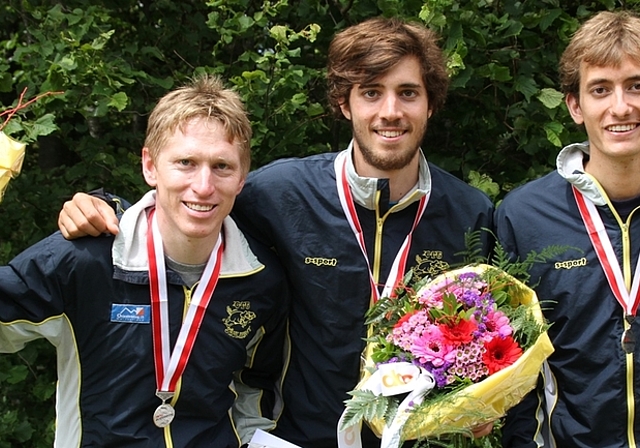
{"x":344,"y":107}
{"x":573,"y":104}
{"x":240,"y":186}
{"x":148,"y":168}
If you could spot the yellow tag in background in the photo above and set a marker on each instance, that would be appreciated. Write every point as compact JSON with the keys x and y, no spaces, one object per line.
{"x":11,"y":158}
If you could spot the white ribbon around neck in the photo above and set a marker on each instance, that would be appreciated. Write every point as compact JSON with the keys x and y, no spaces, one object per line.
{"x":170,"y":365}
{"x":349,"y":209}
{"x":629,"y":300}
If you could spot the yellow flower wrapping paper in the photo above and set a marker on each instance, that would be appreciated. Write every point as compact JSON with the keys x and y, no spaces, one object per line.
{"x":11,"y":158}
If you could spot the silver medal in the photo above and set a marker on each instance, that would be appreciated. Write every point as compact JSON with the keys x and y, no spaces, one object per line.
{"x":628,"y":337}
{"x":163,"y":415}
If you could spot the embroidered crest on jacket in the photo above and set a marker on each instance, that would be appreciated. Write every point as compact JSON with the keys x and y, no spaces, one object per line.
{"x":238,"y":322}
{"x":430,"y":263}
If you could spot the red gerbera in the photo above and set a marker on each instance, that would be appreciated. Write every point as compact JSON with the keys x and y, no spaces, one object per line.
{"x":460,"y":332}
{"x":500,"y":353}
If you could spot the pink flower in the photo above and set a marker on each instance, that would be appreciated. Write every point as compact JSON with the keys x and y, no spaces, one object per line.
{"x":404,"y":319}
{"x":432,"y":296}
{"x":432,"y":348}
{"x":405,"y":331}
{"x":498,"y":324}
{"x":468,"y":363}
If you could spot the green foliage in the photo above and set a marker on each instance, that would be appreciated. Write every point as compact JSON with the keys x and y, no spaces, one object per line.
{"x":524,"y":329}
{"x":520,"y":268}
{"x":503,"y":124}
{"x":505,"y":118}
{"x":365,"y":405}
{"x":26,"y":383}
{"x":516,"y":267}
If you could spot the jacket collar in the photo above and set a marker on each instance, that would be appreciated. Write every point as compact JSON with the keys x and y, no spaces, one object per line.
{"x":129,"y":250}
{"x":364,"y":189}
{"x":570,"y":166}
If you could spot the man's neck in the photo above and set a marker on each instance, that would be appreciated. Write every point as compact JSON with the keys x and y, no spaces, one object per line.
{"x":401,"y":181}
{"x":185,"y":250}
{"x":191,"y":254}
{"x":619,"y":179}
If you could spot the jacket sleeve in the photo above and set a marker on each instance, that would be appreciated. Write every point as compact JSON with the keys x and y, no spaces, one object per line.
{"x":257,"y":391}
{"x":256,"y":206}
{"x":259,"y":403}
{"x":118,"y":204}
{"x":523,"y":427}
{"x":526,"y":423}
{"x":30,"y":307}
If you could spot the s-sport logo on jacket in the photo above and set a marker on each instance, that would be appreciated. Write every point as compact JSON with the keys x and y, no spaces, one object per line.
{"x":569,"y":264}
{"x":131,"y":314}
{"x":238,"y":322}
{"x":319,"y":261}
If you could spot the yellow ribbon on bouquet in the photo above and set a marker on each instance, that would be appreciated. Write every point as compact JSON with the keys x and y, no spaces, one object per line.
{"x":11,"y":157}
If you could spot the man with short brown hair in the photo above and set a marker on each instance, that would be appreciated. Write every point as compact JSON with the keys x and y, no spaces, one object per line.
{"x":590,"y":396}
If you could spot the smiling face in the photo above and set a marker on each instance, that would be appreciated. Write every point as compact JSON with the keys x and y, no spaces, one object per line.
{"x":197,"y":176}
{"x":389,"y":120}
{"x":609,"y":107}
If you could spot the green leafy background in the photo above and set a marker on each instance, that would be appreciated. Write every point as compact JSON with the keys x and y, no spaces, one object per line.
{"x":503,"y":124}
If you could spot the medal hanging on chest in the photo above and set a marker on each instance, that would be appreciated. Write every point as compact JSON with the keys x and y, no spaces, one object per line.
{"x":628,"y":336}
{"x":164,"y":413}
{"x":169,"y":365}
{"x":628,"y":300}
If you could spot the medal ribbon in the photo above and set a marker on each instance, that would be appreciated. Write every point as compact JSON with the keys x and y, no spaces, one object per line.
{"x":604,"y":249}
{"x":349,"y":208}
{"x":170,"y":365}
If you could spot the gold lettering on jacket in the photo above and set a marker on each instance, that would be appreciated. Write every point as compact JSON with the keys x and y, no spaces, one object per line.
{"x":319,"y":261}
{"x":430,"y":263}
{"x":569,"y":264}
{"x":238,"y":322}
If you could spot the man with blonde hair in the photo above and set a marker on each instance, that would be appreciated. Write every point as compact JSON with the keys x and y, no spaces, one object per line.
{"x":589,"y":395}
{"x":161,"y":327}
{"x":347,"y":226}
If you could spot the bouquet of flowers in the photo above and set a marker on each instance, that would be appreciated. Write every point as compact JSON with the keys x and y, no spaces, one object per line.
{"x":461,"y":349}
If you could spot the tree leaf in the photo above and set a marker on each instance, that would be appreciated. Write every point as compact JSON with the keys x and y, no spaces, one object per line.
{"x":551,"y":98}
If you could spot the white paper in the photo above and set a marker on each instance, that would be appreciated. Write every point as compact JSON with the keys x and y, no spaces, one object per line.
{"x":262,"y":439}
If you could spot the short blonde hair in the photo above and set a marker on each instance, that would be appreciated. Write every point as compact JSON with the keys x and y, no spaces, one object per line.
{"x":205,"y":97}
{"x":603,"y":40}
